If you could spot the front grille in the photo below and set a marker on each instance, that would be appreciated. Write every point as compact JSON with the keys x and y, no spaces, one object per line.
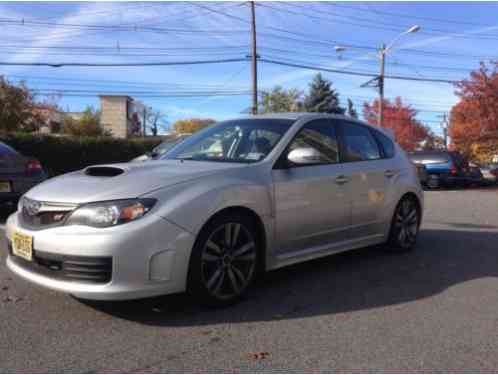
{"x":46,"y":215}
{"x":44,"y":219}
{"x":67,"y":267}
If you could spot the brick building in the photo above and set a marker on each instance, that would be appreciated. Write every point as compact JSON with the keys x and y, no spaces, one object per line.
{"x":116,"y":115}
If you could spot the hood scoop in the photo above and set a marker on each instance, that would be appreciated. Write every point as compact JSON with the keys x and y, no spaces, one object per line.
{"x":103,"y":171}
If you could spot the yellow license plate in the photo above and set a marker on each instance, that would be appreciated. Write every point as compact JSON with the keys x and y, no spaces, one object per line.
{"x":5,"y":187}
{"x":22,"y":245}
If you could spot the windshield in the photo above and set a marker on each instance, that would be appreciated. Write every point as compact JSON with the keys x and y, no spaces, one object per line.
{"x":166,"y":146}
{"x":238,"y":141}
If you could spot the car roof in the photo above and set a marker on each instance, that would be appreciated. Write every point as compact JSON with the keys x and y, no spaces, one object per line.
{"x":295,"y":116}
{"x":298,"y":116}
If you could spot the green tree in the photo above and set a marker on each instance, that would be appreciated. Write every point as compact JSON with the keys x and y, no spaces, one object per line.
{"x":191,"y":125}
{"x":280,"y":100}
{"x":17,"y":108}
{"x":322,"y":97}
{"x":87,"y":125}
{"x":351,"y":110}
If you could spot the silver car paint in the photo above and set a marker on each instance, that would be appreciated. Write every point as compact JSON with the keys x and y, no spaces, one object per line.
{"x":304,"y":211}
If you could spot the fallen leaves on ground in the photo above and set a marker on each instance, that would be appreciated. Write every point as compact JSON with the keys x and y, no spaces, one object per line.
{"x":258,"y":355}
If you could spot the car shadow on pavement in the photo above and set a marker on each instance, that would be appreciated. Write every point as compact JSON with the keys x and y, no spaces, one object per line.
{"x":357,"y":280}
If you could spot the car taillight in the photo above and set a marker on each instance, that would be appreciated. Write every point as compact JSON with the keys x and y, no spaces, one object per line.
{"x":494,"y":172}
{"x":33,"y":167}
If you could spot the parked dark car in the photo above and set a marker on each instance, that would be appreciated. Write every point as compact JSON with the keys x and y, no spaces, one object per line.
{"x":475,"y":174}
{"x":444,"y":168}
{"x":422,"y":174}
{"x":490,"y":173}
{"x":18,"y":173}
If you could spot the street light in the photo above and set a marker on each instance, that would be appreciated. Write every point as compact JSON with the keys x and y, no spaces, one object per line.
{"x":382,"y":56}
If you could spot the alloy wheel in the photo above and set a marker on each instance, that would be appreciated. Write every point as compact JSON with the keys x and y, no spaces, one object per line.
{"x":228,"y":261}
{"x":407,"y":223}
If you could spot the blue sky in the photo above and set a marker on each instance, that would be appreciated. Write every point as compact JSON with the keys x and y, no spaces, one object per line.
{"x":454,"y":37}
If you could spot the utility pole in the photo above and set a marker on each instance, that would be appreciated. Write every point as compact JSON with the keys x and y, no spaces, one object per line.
{"x":444,"y":126}
{"x":379,"y":81}
{"x":381,"y":84}
{"x":144,"y":121}
{"x":254,"y":59}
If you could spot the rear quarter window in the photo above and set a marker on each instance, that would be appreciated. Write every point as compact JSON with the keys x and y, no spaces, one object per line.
{"x":359,"y":143}
{"x":386,"y":143}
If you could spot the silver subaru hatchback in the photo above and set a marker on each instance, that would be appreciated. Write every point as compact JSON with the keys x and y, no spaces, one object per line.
{"x":237,"y":198}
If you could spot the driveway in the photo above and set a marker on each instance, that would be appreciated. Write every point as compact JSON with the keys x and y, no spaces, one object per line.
{"x":434,"y":309}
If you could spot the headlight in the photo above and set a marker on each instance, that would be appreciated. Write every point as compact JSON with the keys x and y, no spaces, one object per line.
{"x":108,"y":214}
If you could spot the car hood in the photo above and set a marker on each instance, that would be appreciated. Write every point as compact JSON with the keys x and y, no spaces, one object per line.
{"x":122,"y":181}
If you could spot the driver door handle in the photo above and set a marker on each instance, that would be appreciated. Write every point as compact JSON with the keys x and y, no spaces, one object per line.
{"x":341,"y":179}
{"x":389,"y":173}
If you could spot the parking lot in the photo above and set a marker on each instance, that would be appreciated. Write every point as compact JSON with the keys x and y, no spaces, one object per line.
{"x":434,"y":309}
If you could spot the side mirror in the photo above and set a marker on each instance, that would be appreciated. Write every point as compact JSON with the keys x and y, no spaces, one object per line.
{"x":304,"y":155}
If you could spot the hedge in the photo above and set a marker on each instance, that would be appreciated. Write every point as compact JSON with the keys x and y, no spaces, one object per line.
{"x":60,"y":155}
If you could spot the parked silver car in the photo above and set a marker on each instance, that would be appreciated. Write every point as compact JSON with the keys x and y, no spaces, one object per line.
{"x":236,"y":198}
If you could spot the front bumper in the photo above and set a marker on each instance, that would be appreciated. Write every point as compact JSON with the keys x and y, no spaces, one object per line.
{"x":148,"y":257}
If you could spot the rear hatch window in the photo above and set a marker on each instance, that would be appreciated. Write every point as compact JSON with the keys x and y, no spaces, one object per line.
{"x":429,"y":157}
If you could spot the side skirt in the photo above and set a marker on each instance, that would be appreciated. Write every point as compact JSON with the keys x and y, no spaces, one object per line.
{"x":315,"y":252}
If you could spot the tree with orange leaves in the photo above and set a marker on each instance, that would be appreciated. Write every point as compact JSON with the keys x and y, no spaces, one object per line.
{"x":401,"y":118}
{"x":474,"y":119}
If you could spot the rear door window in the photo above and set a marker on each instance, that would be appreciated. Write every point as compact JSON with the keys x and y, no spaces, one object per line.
{"x":321,"y":136}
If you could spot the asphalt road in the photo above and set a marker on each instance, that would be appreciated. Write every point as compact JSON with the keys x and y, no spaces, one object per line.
{"x":435,"y":309}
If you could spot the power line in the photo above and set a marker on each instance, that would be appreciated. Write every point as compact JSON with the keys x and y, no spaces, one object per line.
{"x":354,"y":73}
{"x":410,"y":16}
{"x":127,"y":92}
{"x":124,"y":47}
{"x":369,"y":62}
{"x":375,"y":23}
{"x":201,"y":62}
{"x":115,"y":27}
{"x":164,"y":63}
{"x":104,"y":81}
{"x":228,"y":48}
{"x":172,"y":95}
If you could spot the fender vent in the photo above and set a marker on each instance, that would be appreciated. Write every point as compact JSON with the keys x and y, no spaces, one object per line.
{"x":103,"y":171}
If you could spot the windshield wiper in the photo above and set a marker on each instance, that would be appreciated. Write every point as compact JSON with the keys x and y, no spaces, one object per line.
{"x":185,"y":158}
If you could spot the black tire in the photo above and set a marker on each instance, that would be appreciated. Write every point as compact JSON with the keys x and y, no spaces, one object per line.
{"x":223,"y":266}
{"x":405,"y":225}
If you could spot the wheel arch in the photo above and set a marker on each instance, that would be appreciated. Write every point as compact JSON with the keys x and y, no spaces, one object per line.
{"x":416,"y":199}
{"x":258,"y":223}
{"x":388,"y":218}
